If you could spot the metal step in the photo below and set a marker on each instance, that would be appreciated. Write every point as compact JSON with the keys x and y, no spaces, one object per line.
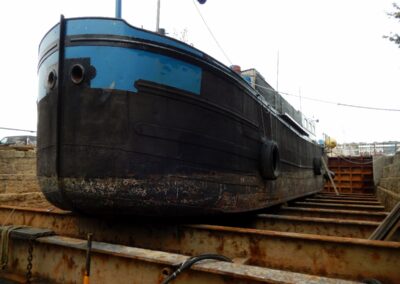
{"x":359,"y":207}
{"x":312,"y":242}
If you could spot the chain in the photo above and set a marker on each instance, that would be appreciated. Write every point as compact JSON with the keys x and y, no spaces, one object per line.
{"x":29,"y":266}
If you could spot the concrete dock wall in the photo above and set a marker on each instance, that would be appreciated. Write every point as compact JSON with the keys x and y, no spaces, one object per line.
{"x":388,"y":180}
{"x":18,"y":182}
{"x":379,"y":162}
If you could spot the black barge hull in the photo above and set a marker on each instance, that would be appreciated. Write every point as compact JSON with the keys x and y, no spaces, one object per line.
{"x":193,"y":139}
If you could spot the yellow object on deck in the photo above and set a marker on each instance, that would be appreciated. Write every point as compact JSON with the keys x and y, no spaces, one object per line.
{"x":330,"y":142}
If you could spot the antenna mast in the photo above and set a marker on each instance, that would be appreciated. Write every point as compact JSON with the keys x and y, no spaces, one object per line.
{"x":158,"y":17}
{"x":118,"y":5}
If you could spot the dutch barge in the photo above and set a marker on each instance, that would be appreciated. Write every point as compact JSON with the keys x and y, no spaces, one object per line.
{"x":134,"y":122}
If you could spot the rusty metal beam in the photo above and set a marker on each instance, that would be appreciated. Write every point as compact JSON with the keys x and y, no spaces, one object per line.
{"x":344,"y":198}
{"x":317,"y":226}
{"x":317,"y":223}
{"x":365,"y":195}
{"x":318,"y":255}
{"x":333,"y":213}
{"x":348,"y":195}
{"x":62,"y":260}
{"x":389,"y":226}
{"x":321,"y":255}
{"x":339,"y":201}
{"x":11,"y":278}
{"x":394,"y":233}
{"x":339,"y":206}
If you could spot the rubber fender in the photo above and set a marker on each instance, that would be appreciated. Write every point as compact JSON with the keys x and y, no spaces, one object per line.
{"x":317,"y":164}
{"x":269,"y":160}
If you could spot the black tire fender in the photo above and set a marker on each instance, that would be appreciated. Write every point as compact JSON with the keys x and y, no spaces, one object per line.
{"x":269,"y":160}
{"x":317,"y":164}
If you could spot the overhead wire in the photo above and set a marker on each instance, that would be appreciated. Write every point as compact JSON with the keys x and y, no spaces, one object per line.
{"x":284,"y":93}
{"x":16,"y":129}
{"x":211,"y":33}
{"x":328,"y":102}
{"x":353,"y":162}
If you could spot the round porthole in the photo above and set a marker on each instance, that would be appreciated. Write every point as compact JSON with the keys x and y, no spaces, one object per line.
{"x":77,"y":73}
{"x":51,"y":79}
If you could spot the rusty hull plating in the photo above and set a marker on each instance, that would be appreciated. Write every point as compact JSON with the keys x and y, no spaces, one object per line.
{"x":132,"y":122}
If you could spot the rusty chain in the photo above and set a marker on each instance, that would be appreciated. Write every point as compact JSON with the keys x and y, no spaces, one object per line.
{"x":29,"y":265}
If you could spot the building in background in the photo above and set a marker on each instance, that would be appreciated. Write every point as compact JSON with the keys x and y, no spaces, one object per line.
{"x":366,"y":149}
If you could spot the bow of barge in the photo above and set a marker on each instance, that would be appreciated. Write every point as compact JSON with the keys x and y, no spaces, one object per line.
{"x":133,"y":122}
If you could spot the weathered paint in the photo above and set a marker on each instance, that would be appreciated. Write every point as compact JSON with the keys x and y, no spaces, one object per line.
{"x":339,"y":201}
{"x":348,"y":195}
{"x":353,"y":174}
{"x":340,"y":206}
{"x":155,"y":127}
{"x":333,"y":213}
{"x":62,"y":260}
{"x":66,"y":223}
{"x":347,"y":258}
{"x":317,"y":226}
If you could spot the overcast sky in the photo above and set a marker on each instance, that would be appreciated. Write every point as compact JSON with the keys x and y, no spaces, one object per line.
{"x":329,"y":50}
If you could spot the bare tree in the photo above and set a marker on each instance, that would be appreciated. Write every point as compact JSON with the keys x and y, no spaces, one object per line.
{"x":395,"y":15}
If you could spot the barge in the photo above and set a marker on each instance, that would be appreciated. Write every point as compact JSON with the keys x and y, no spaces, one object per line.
{"x":134,"y":122}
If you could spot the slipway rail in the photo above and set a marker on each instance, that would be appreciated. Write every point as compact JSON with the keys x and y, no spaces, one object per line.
{"x":304,"y":241}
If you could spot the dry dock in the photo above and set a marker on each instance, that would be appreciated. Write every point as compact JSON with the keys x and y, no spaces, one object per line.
{"x":321,"y":238}
{"x":296,"y":243}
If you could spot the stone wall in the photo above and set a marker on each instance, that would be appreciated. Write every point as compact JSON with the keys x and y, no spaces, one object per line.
{"x":379,"y":162}
{"x":18,"y":182}
{"x":388,"y":190}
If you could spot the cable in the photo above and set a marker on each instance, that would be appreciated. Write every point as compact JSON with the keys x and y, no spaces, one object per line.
{"x":328,"y":102}
{"x":368,"y":107}
{"x":353,"y":162}
{"x":4,"y":242}
{"x":283,"y":93}
{"x":192,"y":260}
{"x":209,"y":30}
{"x":15,"y":129}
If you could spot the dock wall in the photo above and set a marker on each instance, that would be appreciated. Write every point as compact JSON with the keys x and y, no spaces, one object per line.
{"x":352,"y":174}
{"x":18,"y":182}
{"x":388,"y":173}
